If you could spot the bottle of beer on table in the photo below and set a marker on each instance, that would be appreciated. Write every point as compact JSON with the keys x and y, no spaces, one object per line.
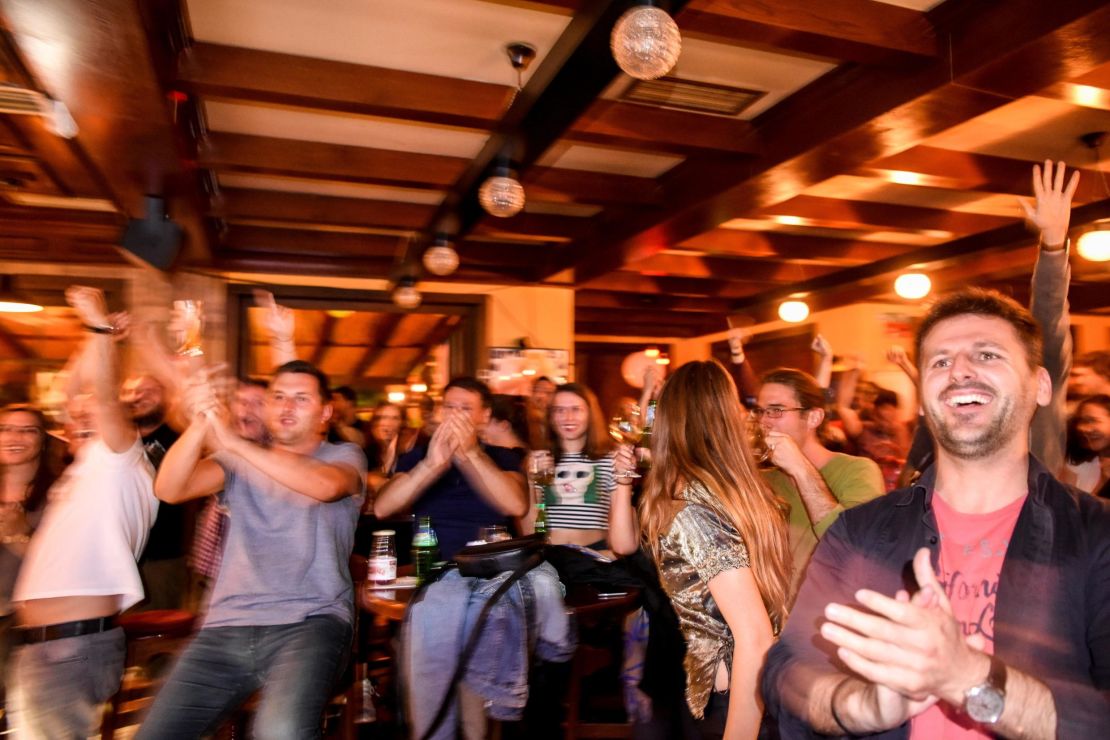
{"x":425,"y":548}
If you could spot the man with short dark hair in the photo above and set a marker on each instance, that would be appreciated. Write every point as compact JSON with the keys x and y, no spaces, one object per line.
{"x":282,"y":605}
{"x":461,"y":484}
{"x":1007,"y":630}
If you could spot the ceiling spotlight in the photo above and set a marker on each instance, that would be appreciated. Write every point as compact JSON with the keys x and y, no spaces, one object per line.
{"x":419,"y":387}
{"x":405,"y":295}
{"x":396,"y":396}
{"x":663,"y":359}
{"x":1095,"y":245}
{"x":645,"y":42}
{"x":502,"y":195}
{"x":652,"y":352}
{"x":913,"y":285}
{"x":793,"y":311}
{"x":441,"y":258}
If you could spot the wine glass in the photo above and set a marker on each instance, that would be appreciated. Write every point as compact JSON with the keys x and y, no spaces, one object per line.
{"x":189,"y":328}
{"x":757,"y":441}
{"x":626,"y":430}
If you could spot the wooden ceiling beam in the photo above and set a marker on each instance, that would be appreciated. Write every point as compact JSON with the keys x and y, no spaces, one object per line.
{"x":648,"y":301}
{"x":638,"y":329}
{"x":664,"y":318}
{"x":859,"y":214}
{"x":813,"y":135}
{"x":978,"y":172}
{"x":631,"y":282}
{"x":439,"y":334}
{"x":851,"y":30}
{"x":307,"y":208}
{"x":17,"y":346}
{"x":377,"y":343}
{"x":325,"y":339}
{"x":380,"y":268}
{"x":787,"y":247}
{"x":262,"y":154}
{"x":726,"y":268}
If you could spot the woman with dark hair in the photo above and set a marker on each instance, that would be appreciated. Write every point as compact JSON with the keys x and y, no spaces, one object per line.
{"x":384,"y":444}
{"x":577,"y":503}
{"x":25,"y":478}
{"x":719,"y":538}
{"x":1089,"y":446}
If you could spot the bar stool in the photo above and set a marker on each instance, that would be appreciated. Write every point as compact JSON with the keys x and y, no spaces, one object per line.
{"x":151,"y":636}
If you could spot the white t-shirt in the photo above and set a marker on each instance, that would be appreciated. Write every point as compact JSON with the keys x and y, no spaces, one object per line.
{"x":94,"y":528}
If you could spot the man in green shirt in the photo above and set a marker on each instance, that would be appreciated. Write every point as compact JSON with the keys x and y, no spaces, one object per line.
{"x":817,"y":483}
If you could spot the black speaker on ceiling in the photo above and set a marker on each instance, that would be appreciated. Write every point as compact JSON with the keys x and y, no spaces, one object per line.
{"x":154,"y":239}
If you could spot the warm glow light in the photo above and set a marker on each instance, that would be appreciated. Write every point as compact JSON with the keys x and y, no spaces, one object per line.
{"x":913,"y":285}
{"x":645,"y":42}
{"x":905,"y":178}
{"x":793,"y":311}
{"x":338,"y":313}
{"x":663,"y":360}
{"x":1086,"y":95}
{"x":406,"y":296}
{"x":790,"y":220}
{"x":652,"y":352}
{"x":441,"y":259}
{"x":419,"y":387}
{"x":19,"y":307}
{"x":528,"y":371}
{"x":1095,"y":245}
{"x":396,"y":396}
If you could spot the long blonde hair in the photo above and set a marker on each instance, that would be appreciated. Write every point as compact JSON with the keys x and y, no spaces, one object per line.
{"x":699,"y":437}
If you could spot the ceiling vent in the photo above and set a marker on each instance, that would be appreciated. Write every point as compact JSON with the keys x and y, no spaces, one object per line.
{"x":699,"y":97}
{"x":19,"y":101}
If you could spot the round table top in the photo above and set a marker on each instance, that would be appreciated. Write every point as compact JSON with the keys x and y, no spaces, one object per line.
{"x":582,"y":599}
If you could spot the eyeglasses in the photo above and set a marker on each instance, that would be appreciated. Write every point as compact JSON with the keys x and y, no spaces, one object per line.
{"x":772,"y":412}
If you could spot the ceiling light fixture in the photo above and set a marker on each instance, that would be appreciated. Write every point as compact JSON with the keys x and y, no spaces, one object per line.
{"x":12,"y":302}
{"x":441,"y":258}
{"x":1095,"y":244}
{"x":913,"y":285}
{"x":794,"y":311}
{"x":501,"y":194}
{"x":405,"y":295}
{"x":645,"y":42}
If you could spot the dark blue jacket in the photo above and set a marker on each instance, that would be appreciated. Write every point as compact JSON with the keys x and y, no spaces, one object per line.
{"x":1052,"y":610}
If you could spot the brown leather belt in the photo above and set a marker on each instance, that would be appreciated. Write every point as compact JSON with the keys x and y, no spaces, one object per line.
{"x":31,"y":635}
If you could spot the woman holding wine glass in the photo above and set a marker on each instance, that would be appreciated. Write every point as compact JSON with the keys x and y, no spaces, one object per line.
{"x":576,"y":502}
{"x":719,"y":538}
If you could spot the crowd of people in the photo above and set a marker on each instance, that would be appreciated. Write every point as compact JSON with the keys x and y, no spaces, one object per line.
{"x":835,"y":569}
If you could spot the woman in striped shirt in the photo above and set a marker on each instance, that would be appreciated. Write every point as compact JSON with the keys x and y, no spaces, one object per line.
{"x":577,"y":502}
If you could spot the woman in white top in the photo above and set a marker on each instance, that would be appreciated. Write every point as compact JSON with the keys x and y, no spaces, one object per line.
{"x":577,"y":503}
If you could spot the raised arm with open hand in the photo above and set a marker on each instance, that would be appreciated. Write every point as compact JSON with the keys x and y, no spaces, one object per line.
{"x":1052,"y":210}
{"x":280,"y":323}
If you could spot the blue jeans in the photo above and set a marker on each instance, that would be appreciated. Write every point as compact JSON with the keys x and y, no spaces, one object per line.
{"x":57,"y":686}
{"x":295,"y":665}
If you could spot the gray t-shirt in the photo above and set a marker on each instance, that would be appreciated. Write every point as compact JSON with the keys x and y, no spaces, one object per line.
{"x":286,"y":554}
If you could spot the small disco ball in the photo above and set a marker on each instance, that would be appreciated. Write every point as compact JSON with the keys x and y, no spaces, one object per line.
{"x":646,"y":42}
{"x":407,"y":297}
{"x":501,"y":196}
{"x":441,"y":260}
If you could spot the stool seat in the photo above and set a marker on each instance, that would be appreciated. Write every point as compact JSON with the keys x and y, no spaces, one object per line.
{"x":158,"y":623}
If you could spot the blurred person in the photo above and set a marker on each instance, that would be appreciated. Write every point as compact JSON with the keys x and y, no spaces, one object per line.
{"x":719,"y":538}
{"x":974,"y":603}
{"x":26,"y":475}
{"x":459,"y":482}
{"x":344,"y":421}
{"x":817,"y":483}
{"x":884,"y":437}
{"x":543,"y":390}
{"x":508,"y":423}
{"x":1090,"y":375}
{"x":1091,"y":473}
{"x":577,"y":503}
{"x":279,"y":619}
{"x":80,"y":568}
{"x":385,"y":444}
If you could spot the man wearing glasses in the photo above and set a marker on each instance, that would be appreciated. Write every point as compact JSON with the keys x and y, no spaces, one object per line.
{"x":818,"y":483}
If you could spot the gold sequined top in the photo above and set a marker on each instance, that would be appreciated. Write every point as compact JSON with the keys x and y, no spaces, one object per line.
{"x":700,"y":544}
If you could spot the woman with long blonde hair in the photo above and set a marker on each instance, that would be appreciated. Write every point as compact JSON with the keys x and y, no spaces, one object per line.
{"x":719,"y":537}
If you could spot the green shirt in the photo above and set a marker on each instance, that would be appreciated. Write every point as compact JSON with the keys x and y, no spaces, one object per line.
{"x":851,"y":480}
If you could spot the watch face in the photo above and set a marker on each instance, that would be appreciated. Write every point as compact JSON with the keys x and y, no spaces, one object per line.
{"x":985,"y":704}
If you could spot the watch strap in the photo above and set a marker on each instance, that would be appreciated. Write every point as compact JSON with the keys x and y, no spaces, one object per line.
{"x":107,"y":329}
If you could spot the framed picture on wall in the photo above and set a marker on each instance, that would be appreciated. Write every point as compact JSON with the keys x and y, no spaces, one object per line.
{"x":512,"y":370}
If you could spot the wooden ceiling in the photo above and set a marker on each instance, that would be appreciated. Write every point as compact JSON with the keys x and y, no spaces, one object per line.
{"x":337,"y":138}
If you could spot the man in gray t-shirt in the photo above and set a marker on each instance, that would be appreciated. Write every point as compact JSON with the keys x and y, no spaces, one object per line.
{"x":282,"y":605}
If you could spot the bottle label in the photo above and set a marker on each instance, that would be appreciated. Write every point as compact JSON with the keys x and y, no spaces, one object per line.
{"x":381,"y":569}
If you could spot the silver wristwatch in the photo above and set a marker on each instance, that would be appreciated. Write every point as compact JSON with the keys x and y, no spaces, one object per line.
{"x":985,"y":702}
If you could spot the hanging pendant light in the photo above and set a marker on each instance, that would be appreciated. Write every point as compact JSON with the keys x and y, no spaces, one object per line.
{"x":646,"y":42}
{"x":12,"y":302}
{"x":441,"y":258}
{"x":501,"y":194}
{"x":795,"y":311}
{"x":405,"y":295}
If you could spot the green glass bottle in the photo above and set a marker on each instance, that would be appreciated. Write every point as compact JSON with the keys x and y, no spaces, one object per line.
{"x":425,"y":548}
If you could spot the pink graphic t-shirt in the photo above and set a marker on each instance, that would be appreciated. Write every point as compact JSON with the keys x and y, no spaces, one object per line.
{"x":972,"y":548}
